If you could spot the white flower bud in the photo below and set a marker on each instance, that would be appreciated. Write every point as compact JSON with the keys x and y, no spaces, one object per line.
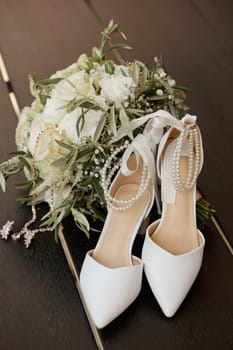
{"x":84,"y":63}
{"x":171,"y":82}
{"x":159,"y":92}
{"x":161,"y":72}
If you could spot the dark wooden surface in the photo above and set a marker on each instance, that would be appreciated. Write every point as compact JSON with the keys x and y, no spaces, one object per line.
{"x":39,"y":305}
{"x":195,"y":39}
{"x":204,"y":321}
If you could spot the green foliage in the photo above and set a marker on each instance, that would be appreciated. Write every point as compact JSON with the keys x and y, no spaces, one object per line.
{"x":204,"y":212}
{"x":106,"y":45}
{"x":154,"y":89}
{"x":42,"y":87}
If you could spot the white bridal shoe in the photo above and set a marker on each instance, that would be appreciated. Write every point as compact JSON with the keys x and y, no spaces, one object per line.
{"x":110,"y":276}
{"x":173,"y":247}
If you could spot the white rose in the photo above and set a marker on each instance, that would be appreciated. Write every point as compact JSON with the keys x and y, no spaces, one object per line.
{"x":53,"y":174}
{"x":92,"y":119}
{"x":58,"y":196}
{"x":69,"y":122}
{"x":65,"y":73}
{"x":100,"y":101}
{"x":37,"y":126}
{"x":23,"y":128}
{"x":52,"y":112}
{"x":77,"y":84}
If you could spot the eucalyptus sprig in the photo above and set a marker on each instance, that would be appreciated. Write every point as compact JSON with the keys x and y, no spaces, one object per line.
{"x":106,"y":46}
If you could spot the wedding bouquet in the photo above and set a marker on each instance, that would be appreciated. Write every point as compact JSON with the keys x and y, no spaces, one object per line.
{"x":64,"y":138}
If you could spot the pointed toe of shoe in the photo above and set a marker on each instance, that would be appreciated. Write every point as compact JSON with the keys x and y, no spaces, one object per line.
{"x":109,"y":291}
{"x":169,"y":310}
{"x":169,"y":306}
{"x":170,"y":276}
{"x":102,"y":318}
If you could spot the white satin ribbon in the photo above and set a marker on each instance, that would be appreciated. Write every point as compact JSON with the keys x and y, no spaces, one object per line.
{"x":145,"y":145}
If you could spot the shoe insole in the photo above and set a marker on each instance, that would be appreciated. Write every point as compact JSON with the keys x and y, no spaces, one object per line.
{"x":113,"y":248}
{"x":177,"y":231}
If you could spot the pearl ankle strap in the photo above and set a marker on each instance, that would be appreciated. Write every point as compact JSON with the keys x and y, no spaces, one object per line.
{"x":116,"y":204}
{"x":190,"y":131}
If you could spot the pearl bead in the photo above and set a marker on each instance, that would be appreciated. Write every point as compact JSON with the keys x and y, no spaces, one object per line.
{"x":194,"y":143}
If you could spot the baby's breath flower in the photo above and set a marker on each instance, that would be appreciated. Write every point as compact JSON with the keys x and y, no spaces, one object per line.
{"x":171,"y":82}
{"x":159,"y":92}
{"x":161,"y":72}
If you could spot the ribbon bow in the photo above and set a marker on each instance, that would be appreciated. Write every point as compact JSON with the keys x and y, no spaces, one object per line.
{"x":144,"y":145}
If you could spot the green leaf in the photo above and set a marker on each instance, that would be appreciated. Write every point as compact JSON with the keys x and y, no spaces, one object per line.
{"x":80,"y":102}
{"x":38,"y":187}
{"x":136,"y":111}
{"x":85,"y":158}
{"x":183,"y":88}
{"x":12,"y":170}
{"x":34,"y":77}
{"x":23,"y":186}
{"x":18,"y":153}
{"x":113,"y":29}
{"x":118,"y":46}
{"x":136,"y":72}
{"x":72,"y":159}
{"x":63,"y":214}
{"x":2,"y":182}
{"x":123,"y":72}
{"x":87,"y":151}
{"x":110,"y":24}
{"x":99,"y":128}
{"x":158,"y":98}
{"x":83,"y":103}
{"x":25,"y":163}
{"x":123,"y":35}
{"x":172,"y":109}
{"x":81,"y":220}
{"x":46,"y":82}
{"x":109,"y":67}
{"x":24,"y":200}
{"x":64,"y":145}
{"x":80,"y":123}
{"x":112,"y":121}
{"x":166,"y":86}
{"x":125,"y":123}
{"x":47,"y":223}
{"x":98,"y":189}
{"x":144,"y":76}
{"x":60,"y":162}
{"x":43,"y":99}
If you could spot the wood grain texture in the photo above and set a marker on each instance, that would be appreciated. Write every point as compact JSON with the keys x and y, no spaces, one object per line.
{"x":196,"y":40}
{"x":39,"y":306}
{"x":204,"y":320}
{"x":43,"y":37}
